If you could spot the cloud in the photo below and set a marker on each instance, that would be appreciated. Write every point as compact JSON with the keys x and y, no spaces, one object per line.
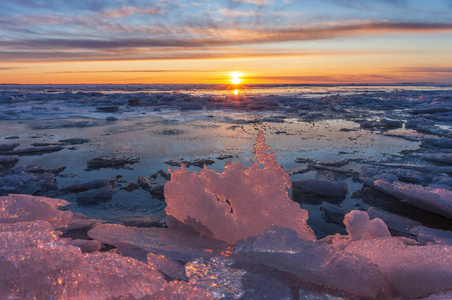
{"x":234,"y":3}
{"x":360,"y":4}
{"x":166,"y":54}
{"x":204,"y":37}
{"x":255,"y":2}
{"x":128,"y":11}
{"x":131,"y":71}
{"x":227,"y":37}
{"x":236,"y":13}
{"x":327,"y":79}
{"x":426,"y":69}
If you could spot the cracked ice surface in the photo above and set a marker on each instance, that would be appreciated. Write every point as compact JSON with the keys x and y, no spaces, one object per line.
{"x":239,"y":202}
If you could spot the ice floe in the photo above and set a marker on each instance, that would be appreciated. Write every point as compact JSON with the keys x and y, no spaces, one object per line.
{"x":436,"y":200}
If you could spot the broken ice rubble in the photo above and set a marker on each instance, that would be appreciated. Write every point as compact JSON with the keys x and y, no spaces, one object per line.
{"x":248,"y":207}
{"x":317,"y":262}
{"x":239,"y":202}
{"x":35,"y":263}
{"x":373,"y":265}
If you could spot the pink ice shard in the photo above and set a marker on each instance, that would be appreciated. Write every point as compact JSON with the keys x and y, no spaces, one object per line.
{"x":20,"y":208}
{"x":239,"y":202}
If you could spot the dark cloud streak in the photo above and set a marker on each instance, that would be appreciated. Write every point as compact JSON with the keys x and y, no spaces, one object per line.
{"x":285,"y":34}
{"x":427,"y":69}
{"x":131,"y":71}
{"x":202,"y":39}
{"x":52,"y":56}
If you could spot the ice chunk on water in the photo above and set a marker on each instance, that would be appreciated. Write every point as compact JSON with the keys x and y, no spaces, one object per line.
{"x":437,"y":236}
{"x":174,"y":244}
{"x":317,"y":262}
{"x":18,"y":208}
{"x":239,"y":202}
{"x":360,"y":227}
{"x":436,"y":200}
{"x":395,"y":222}
{"x":440,"y":157}
{"x":216,"y":277}
{"x":414,"y":270}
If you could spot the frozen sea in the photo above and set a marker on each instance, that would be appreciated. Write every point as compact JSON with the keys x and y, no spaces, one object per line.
{"x":351,"y":151}
{"x":314,"y":131}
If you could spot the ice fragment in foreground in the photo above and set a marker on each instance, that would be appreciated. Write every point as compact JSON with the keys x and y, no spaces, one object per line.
{"x":317,"y":262}
{"x":414,"y":270}
{"x":18,"y":208}
{"x":36,"y":264}
{"x":216,"y":277}
{"x":175,"y":244}
{"x":239,"y":202}
{"x":360,"y":227}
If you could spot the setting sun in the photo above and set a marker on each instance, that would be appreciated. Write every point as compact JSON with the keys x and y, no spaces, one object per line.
{"x":235,"y":77}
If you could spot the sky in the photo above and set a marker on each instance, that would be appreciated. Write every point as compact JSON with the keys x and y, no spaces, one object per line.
{"x":203,"y":42}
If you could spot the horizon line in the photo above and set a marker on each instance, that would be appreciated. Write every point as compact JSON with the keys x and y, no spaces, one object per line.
{"x":247,"y":84}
